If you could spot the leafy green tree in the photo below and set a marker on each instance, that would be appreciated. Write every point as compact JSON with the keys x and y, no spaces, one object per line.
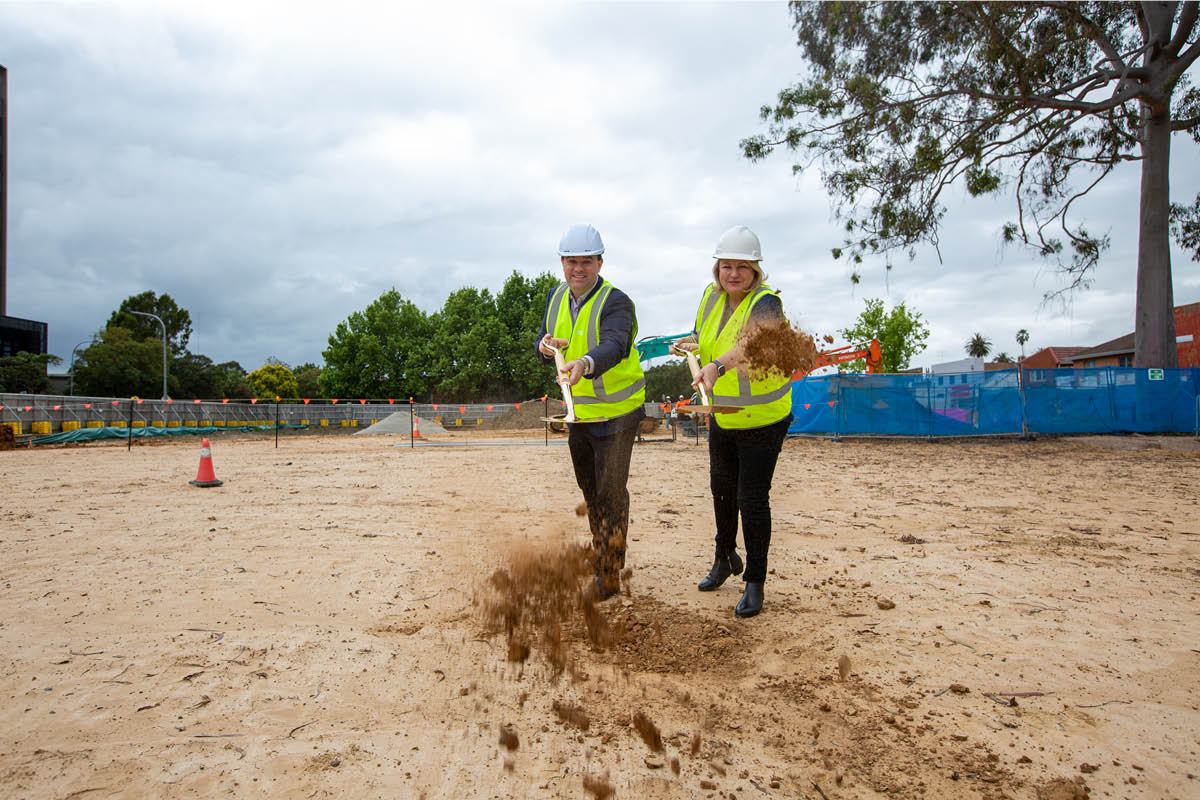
{"x":26,"y":372}
{"x":1003,"y":358}
{"x":520,"y":305}
{"x":231,"y":381}
{"x":176,"y":320}
{"x":468,"y":348}
{"x":193,"y":377}
{"x":119,"y":364}
{"x":382,"y":351}
{"x":900,"y":332}
{"x":978,"y":346}
{"x":671,"y":378}
{"x":308,"y":376}
{"x":903,"y":100}
{"x":273,"y":380}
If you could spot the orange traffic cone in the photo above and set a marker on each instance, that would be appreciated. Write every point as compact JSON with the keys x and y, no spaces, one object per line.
{"x":416,"y":427}
{"x":205,"y":475}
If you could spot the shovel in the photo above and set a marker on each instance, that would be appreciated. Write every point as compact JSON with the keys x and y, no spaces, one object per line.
{"x":706,"y":406}
{"x":564,"y":383}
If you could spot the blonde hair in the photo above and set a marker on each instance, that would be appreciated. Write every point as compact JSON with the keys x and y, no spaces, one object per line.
{"x":759,"y":275}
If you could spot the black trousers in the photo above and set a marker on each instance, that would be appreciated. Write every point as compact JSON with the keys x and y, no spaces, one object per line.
{"x":741,"y":464}
{"x":602,"y":470}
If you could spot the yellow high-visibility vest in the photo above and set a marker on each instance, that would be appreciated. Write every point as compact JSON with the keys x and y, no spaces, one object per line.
{"x":618,"y":391}
{"x":764,"y":401}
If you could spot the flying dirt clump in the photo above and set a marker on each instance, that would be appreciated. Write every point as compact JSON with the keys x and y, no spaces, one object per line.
{"x":648,"y":731}
{"x":572,"y":715}
{"x":534,"y":595}
{"x":776,"y":348}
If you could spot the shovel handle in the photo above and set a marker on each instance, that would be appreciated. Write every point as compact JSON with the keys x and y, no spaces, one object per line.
{"x":564,"y":383}
{"x":694,"y":366}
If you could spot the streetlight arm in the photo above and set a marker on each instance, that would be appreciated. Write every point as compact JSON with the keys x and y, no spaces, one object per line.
{"x":75,"y":350}
{"x":164,"y":342}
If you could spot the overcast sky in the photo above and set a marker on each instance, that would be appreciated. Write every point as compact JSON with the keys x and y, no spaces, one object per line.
{"x":276,"y":167}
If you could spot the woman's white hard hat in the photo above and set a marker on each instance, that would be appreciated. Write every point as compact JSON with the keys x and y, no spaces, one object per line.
{"x":739,"y":243}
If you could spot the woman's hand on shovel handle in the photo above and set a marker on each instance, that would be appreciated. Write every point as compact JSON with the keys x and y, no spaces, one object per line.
{"x":706,"y":378}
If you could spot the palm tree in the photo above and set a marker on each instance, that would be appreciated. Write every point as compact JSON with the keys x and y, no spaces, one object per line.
{"x":1022,"y":338}
{"x":978,"y":346}
{"x":1004,"y":358}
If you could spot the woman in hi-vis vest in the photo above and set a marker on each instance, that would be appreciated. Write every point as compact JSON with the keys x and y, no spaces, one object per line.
{"x":742,"y":446}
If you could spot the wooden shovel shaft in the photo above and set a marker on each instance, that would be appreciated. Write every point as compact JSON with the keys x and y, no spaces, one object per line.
{"x":694,"y":366}
{"x":564,"y":382}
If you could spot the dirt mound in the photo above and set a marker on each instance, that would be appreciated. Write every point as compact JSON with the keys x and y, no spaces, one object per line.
{"x":526,"y":415}
{"x":776,"y":348}
{"x":7,"y":440}
{"x":651,"y":636}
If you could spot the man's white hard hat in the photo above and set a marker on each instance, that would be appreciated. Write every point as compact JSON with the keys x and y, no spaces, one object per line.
{"x":580,"y":240}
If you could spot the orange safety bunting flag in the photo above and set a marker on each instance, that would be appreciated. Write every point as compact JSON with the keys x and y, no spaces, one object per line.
{"x":362,"y":402}
{"x":196,"y":401}
{"x":253,"y":401}
{"x":56,"y":408}
{"x":462,"y":409}
{"x":306,"y":401}
{"x":140,"y":401}
{"x":518,"y":405}
{"x":85,"y":405}
{"x":391,"y":402}
{"x":489,"y":408}
{"x":225,"y":401}
{"x":114,"y":402}
{"x":169,"y":401}
{"x":334,"y":401}
{"x":29,"y":408}
{"x":435,"y":406}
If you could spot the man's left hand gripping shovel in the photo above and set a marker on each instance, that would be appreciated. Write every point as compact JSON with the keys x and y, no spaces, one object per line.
{"x":564,"y":383}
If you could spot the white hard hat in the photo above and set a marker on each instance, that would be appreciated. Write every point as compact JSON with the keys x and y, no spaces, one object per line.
{"x":740,"y":243}
{"x":581,"y":240}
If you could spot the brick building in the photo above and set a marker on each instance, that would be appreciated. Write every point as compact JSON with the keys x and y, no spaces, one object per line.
{"x":1052,"y":358}
{"x":1119,"y":352}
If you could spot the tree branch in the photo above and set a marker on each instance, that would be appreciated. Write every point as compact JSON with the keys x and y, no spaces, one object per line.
{"x":1187,"y":19}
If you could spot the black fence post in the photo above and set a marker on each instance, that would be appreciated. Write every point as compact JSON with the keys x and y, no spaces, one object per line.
{"x":411,"y":424}
{"x":546,"y":413}
{"x":129,"y":429}
{"x":276,"y":423}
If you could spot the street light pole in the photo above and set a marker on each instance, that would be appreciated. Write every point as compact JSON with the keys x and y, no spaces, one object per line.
{"x":164,"y":340}
{"x":74,"y":350}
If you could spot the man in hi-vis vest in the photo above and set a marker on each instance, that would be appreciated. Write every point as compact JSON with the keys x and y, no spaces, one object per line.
{"x":593,"y":324}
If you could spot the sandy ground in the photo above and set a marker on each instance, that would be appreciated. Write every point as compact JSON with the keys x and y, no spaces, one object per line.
{"x":307,"y":630}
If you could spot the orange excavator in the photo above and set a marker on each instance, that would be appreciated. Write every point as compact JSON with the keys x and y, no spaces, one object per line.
{"x":841,"y":355}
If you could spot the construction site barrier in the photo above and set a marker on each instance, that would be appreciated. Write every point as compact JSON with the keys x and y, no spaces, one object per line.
{"x":1030,"y":401}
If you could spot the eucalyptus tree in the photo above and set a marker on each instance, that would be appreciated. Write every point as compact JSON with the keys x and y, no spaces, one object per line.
{"x":1043,"y":100}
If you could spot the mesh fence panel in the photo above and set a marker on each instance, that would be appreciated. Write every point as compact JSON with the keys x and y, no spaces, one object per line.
{"x":1105,"y":400}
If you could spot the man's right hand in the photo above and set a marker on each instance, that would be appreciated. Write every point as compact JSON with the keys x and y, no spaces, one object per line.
{"x":552,"y":342}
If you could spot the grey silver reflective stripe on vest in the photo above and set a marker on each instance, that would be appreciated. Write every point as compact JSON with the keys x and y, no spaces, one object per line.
{"x":745,"y":396}
{"x":593,"y":341}
{"x":552,"y":307}
{"x":714,"y":297}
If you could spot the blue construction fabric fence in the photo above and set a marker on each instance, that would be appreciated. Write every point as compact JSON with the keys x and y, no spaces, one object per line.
{"x":1104,"y":400}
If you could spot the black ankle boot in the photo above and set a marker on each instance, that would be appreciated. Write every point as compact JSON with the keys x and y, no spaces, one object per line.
{"x":723,"y":566}
{"x":751,"y":602}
